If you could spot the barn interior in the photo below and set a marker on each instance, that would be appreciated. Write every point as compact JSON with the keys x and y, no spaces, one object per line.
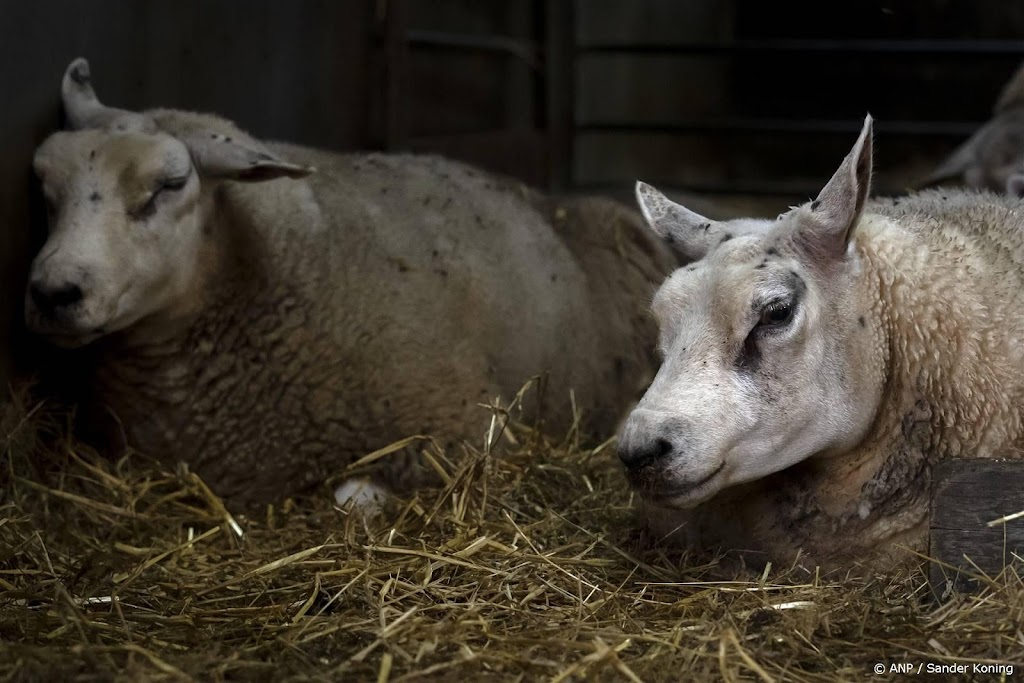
{"x":527,"y":566}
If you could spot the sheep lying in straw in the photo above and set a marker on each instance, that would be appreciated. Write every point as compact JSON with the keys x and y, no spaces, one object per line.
{"x":817,"y":365}
{"x":270,"y":325}
{"x":521,"y":571}
{"x":992,"y":158}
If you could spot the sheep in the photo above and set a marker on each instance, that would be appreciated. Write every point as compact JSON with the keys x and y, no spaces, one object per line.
{"x":818,"y":365}
{"x":992,"y":158}
{"x":269,"y":314}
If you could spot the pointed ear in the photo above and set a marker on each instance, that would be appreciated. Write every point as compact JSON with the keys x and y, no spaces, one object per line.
{"x":218,"y":155}
{"x":834,"y":214}
{"x":1015,"y":185}
{"x":688,"y":233}
{"x":955,"y":165}
{"x":220,"y":150}
{"x":1012,"y":94}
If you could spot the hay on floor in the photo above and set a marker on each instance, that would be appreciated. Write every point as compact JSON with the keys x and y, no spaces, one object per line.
{"x":525,"y":567}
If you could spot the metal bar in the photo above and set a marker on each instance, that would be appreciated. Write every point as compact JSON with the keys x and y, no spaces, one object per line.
{"x":933,"y":48}
{"x":465,"y":42}
{"x":725,"y":126}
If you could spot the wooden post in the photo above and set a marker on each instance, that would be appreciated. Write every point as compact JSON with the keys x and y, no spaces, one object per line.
{"x":396,"y":57}
{"x":560,"y":93}
{"x":968,"y":496}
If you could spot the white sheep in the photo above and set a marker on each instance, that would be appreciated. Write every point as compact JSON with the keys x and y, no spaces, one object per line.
{"x":269,"y":325}
{"x":816,"y":366}
{"x":992,"y":158}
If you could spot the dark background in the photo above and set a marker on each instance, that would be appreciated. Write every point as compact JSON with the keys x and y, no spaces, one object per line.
{"x":738,"y":106}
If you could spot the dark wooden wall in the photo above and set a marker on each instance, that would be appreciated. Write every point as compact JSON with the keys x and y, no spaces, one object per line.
{"x":746,"y":96}
{"x":283,"y":70}
{"x":726,"y":99}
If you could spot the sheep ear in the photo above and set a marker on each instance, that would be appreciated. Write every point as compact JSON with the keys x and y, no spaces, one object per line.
{"x":218,"y":155}
{"x":998,"y":137}
{"x":1012,"y":94}
{"x":956,"y":164}
{"x":1015,"y":185}
{"x":834,"y":214}
{"x":688,"y":233}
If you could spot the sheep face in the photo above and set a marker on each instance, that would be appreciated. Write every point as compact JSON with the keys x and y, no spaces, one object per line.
{"x":124,"y":232}
{"x":125,"y":192}
{"x":764,"y":354}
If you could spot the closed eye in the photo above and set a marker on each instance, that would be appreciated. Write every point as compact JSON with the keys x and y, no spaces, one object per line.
{"x":172,"y":184}
{"x":164,"y":186}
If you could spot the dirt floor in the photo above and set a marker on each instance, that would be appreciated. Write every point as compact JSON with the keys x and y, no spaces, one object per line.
{"x":526,"y":567}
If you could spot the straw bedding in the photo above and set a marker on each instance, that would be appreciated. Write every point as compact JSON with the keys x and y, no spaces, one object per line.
{"x":528,"y":566}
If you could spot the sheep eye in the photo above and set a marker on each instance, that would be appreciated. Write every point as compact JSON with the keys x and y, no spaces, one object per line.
{"x":776,"y":314}
{"x":172,"y":184}
{"x":168,"y":185}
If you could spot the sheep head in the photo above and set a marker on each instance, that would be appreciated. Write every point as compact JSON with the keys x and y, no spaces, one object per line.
{"x":126,"y":193}
{"x":764,"y":343}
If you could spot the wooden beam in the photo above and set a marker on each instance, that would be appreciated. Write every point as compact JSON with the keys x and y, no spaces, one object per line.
{"x":968,"y":497}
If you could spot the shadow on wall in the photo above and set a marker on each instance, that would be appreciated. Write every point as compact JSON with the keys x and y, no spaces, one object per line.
{"x":295,"y":71}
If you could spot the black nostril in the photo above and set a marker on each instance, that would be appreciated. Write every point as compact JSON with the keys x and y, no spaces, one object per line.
{"x":637,"y":455}
{"x":49,"y":300}
{"x":66,"y":295}
{"x":39,"y":297}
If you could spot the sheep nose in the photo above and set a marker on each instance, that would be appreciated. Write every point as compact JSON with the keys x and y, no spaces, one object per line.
{"x":638,"y":454}
{"x":646,"y":439}
{"x":50,"y":299}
